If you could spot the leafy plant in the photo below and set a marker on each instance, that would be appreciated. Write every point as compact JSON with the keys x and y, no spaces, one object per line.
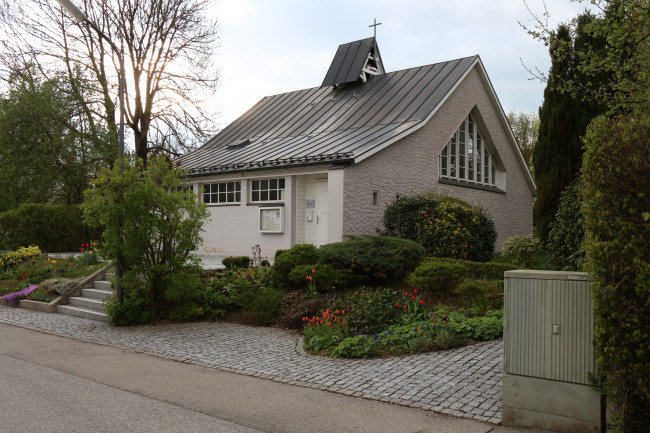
{"x":412,"y":306}
{"x":565,"y":245}
{"x":159,"y":227}
{"x":360,"y":346}
{"x":265,"y":304}
{"x":372,"y":259}
{"x":437,"y":276}
{"x":521,"y":249}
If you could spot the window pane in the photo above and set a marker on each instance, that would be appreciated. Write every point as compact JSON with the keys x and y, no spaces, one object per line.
{"x":264,"y":195}
{"x":230,"y":197}
{"x":255,"y":196}
{"x":256,"y":185}
{"x":237,"y":197}
{"x":281,"y":183}
{"x":206,"y":197}
{"x":282,"y":194}
{"x":273,"y":184}
{"x":222,"y":197}
{"x":264,"y":184}
{"x":273,"y":194}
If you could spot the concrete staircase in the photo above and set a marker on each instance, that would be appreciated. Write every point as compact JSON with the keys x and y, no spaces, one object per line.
{"x":90,"y":305}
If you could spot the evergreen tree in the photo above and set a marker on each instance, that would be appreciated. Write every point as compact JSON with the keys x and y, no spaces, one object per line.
{"x":563,"y":117}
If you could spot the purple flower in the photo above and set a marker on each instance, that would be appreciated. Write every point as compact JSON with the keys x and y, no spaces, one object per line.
{"x":13,"y":298}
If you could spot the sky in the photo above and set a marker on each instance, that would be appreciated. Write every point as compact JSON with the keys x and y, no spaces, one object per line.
{"x":269,"y":47}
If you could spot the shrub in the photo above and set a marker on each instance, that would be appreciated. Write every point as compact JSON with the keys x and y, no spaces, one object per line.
{"x":54,"y":228}
{"x":480,"y":270}
{"x":402,"y":216}
{"x":325,"y":277}
{"x":238,"y":262}
{"x":265,"y":304}
{"x":457,"y":231}
{"x":617,"y":226}
{"x":437,"y":276}
{"x":373,"y":259}
{"x":160,"y":228}
{"x":301,"y":254}
{"x":295,"y":306}
{"x":565,"y":245}
{"x":521,"y":249}
{"x":370,"y":312}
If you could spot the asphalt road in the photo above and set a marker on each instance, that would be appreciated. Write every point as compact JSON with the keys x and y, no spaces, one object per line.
{"x":55,"y":384}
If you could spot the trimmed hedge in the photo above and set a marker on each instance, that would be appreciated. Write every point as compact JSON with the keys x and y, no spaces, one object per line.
{"x":480,"y":270}
{"x":437,"y":276}
{"x":238,"y":262}
{"x":54,"y":228}
{"x":617,"y":226}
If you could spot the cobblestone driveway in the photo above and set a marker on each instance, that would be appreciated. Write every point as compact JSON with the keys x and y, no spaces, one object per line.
{"x":464,"y":382}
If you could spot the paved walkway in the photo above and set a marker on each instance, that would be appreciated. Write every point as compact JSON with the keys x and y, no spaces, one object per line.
{"x":464,"y":382}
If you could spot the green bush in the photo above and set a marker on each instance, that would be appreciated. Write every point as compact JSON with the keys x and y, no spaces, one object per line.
{"x":457,"y":231}
{"x":521,"y":249}
{"x":437,"y":276}
{"x":325,"y":277}
{"x":54,"y":228}
{"x":301,"y":254}
{"x":370,"y":312}
{"x":160,"y":228}
{"x":373,"y":259}
{"x":481,"y":270}
{"x":617,"y":226}
{"x":402,"y":216}
{"x":239,"y":262}
{"x":265,"y":304}
{"x":565,"y":245}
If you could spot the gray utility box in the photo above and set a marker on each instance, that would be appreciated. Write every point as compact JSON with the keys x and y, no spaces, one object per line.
{"x":548,"y":352}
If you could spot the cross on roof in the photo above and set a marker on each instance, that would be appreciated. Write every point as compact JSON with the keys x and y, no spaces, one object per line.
{"x":375,"y":26}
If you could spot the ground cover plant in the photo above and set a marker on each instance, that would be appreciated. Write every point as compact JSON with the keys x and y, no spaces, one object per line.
{"x":26,"y":273}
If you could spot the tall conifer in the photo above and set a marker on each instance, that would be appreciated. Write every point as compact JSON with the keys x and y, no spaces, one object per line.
{"x":564,"y":116}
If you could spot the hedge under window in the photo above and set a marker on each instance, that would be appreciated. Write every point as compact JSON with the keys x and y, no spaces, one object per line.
{"x":466,"y":157}
{"x":264,"y":190}
{"x":222,"y":192}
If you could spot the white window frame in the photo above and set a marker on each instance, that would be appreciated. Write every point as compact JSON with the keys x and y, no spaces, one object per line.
{"x":262,"y":190}
{"x":466,"y":157}
{"x":223,"y":190}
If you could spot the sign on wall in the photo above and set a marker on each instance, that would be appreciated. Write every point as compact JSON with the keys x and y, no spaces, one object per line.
{"x":271,"y":220}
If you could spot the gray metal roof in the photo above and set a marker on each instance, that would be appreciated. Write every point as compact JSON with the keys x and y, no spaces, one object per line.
{"x":349,"y":61}
{"x":328,"y":124}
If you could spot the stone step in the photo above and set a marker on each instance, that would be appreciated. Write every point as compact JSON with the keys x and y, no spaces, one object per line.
{"x":86,"y":313}
{"x":102,"y":284}
{"x":91,"y":303}
{"x":101,"y":294}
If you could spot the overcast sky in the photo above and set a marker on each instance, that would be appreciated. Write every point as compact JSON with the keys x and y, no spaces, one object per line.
{"x":275,"y":46}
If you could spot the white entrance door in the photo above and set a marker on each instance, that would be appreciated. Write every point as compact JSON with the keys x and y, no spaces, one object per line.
{"x":320,"y":213}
